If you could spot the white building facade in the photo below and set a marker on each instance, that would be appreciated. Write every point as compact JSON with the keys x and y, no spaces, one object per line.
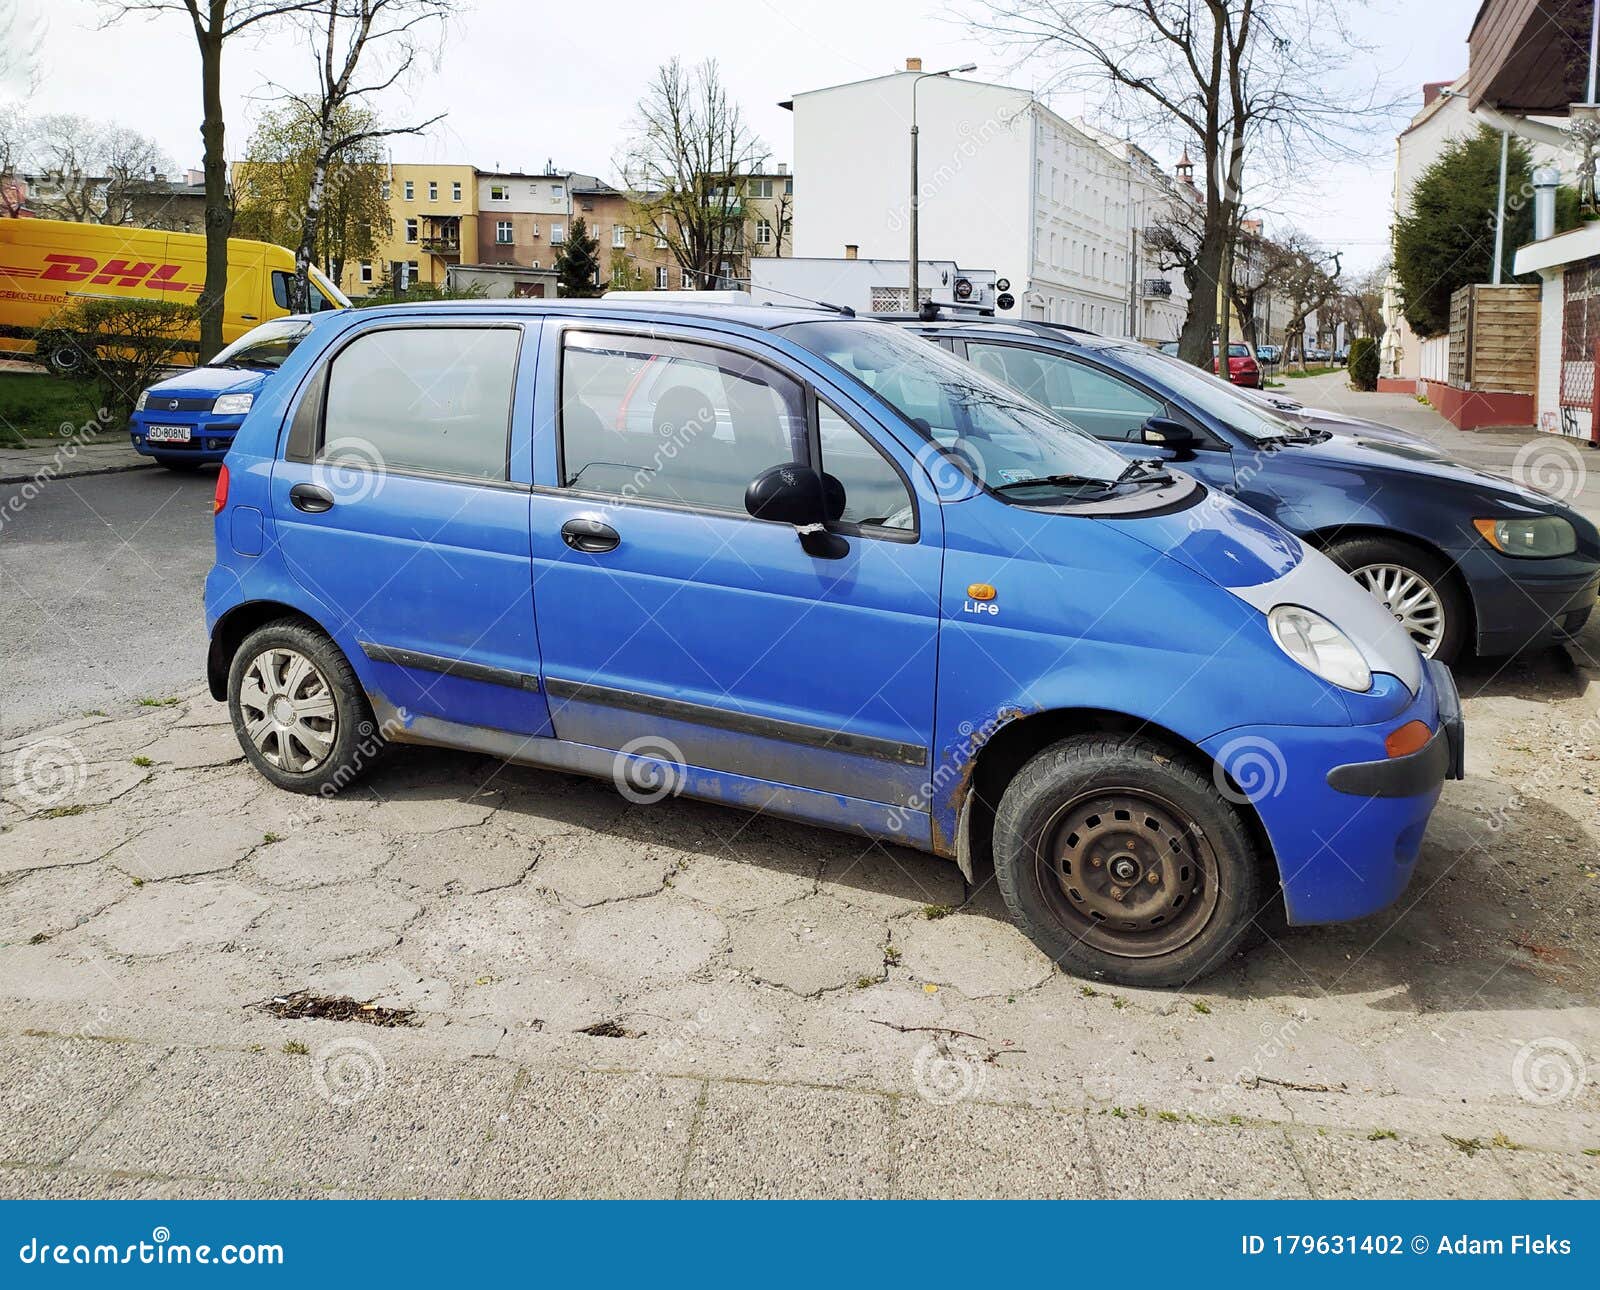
{"x":1004,"y":182}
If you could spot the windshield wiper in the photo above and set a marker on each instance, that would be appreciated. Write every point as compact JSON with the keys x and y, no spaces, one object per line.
{"x":1145,"y":468}
{"x":1042,"y":480}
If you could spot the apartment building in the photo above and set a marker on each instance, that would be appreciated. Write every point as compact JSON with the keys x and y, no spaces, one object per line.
{"x":1004,"y":182}
{"x":524,"y":217}
{"x":433,"y":212}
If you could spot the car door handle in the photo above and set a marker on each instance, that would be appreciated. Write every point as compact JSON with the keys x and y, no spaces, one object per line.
{"x":311,"y":498}
{"x":248,"y":317}
{"x":590,"y":536}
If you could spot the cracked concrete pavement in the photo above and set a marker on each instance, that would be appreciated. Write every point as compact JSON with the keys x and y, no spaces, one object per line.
{"x":678,"y":999}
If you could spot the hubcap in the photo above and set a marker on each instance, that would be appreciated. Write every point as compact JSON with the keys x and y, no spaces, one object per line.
{"x":1128,"y":872}
{"x":1411,"y":598}
{"x":288,"y":710}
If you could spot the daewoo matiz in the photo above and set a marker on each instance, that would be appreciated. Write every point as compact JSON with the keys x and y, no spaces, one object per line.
{"x":836,"y":575}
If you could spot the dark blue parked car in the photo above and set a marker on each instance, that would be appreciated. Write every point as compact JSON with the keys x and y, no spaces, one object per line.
{"x":807,"y":564}
{"x":1461,"y":558}
{"x":190,"y":419}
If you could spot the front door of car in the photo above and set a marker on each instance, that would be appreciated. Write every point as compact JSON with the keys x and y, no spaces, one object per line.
{"x":673,"y":624}
{"x":1109,"y":407}
{"x":398,"y":508}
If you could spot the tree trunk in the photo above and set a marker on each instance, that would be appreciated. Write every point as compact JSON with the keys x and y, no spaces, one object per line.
{"x":219,"y":210}
{"x":306,"y":252}
{"x":1194,"y":341}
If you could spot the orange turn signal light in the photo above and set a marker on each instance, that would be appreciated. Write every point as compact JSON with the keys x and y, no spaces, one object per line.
{"x":981,"y":591}
{"x":1409,"y":738}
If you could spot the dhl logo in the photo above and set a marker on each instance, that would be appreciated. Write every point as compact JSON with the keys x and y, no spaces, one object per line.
{"x":121,"y":273}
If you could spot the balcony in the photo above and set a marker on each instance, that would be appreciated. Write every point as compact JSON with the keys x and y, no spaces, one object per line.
{"x":1156,"y":288}
{"x":442,"y":236}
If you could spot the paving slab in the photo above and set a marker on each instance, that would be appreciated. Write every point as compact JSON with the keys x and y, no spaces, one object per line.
{"x":53,"y":1092}
{"x":186,"y":846}
{"x":163,"y":918}
{"x":972,"y":1150}
{"x":810,"y":945}
{"x":1350,"y":1167}
{"x":756,"y":1140}
{"x":1146,"y":1159}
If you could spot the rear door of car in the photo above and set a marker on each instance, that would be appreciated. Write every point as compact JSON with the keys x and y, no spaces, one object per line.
{"x":401,"y":504}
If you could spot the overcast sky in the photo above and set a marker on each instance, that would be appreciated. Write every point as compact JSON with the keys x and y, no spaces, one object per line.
{"x":526,"y":80}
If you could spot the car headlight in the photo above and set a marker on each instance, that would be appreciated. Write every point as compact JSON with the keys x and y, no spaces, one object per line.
{"x":232,"y":404}
{"x":1318,"y":646}
{"x":144,"y":397}
{"x":1535,"y":536}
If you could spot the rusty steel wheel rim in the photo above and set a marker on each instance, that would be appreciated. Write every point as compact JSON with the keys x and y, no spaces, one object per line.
{"x":1128,"y":872}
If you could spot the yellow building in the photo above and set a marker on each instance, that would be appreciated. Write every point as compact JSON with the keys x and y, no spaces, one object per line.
{"x":434,"y":214}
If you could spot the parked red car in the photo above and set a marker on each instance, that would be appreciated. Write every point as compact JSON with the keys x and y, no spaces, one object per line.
{"x":1242,"y":366}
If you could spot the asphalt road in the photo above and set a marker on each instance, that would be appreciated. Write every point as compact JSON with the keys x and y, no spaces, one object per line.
{"x":100,"y":592}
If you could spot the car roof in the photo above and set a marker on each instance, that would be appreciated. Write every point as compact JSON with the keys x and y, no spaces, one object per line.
{"x":1017,"y":330}
{"x":762,"y":316}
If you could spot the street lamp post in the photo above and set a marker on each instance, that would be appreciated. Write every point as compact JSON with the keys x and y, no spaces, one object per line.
{"x":915,"y":303}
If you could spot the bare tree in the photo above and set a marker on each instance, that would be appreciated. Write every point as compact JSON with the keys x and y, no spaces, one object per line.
{"x":363,"y":48}
{"x":214,"y":23}
{"x":15,"y":135}
{"x":1263,"y":81}
{"x":685,"y":161}
{"x":19,"y":72}
{"x":1306,"y":275}
{"x":93,"y":173}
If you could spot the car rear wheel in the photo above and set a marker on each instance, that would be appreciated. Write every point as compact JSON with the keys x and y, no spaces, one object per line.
{"x":1414,"y":586}
{"x":1123,"y":863}
{"x":298,"y":710}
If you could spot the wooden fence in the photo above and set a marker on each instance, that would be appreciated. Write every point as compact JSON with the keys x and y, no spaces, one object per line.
{"x":1494,"y":338}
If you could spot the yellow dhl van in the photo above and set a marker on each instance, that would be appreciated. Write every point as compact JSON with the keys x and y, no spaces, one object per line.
{"x":45,"y":264}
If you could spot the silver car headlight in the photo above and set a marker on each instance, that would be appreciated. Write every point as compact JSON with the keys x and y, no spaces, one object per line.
{"x":144,"y":397}
{"x":1536,"y":536}
{"x":1318,"y":646}
{"x":232,"y":405}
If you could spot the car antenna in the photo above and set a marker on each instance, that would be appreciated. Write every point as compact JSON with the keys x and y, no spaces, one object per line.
{"x":844,"y":311}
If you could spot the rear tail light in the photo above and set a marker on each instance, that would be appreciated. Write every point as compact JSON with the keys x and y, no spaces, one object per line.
{"x":221,"y":498}
{"x":1409,"y":738}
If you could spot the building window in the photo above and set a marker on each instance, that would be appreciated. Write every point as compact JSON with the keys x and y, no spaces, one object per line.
{"x":661,"y":243}
{"x":535,"y":228}
{"x":499,"y":193}
{"x":686,"y":281}
{"x":410,"y":190}
{"x":384,"y":190}
{"x":534,"y":265}
{"x":763,"y":232}
{"x":638,"y":275}
{"x":433,"y":190}
{"x":366,"y":270}
{"x":411,"y":272}
{"x":558,"y":235}
{"x":502,"y":232}
{"x":558,"y":191}
{"x":455,"y":191}
{"x":618,"y":235}
{"x":661,"y":277}
{"x":411,"y":230}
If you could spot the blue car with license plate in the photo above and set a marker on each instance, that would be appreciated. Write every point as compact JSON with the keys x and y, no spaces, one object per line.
{"x":807,"y":564}
{"x":190,"y":419}
{"x":1464,"y":560}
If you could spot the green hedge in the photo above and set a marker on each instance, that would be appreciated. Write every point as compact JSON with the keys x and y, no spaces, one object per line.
{"x":1364,"y":363}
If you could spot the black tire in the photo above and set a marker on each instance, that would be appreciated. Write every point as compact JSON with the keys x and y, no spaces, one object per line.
{"x":1358,"y":554}
{"x":63,"y":358}
{"x":354,"y":742}
{"x":1094,"y":803}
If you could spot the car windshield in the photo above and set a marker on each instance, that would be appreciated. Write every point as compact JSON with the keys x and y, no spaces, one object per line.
{"x":266,"y":346}
{"x":1211,"y":394}
{"x":989,"y":431}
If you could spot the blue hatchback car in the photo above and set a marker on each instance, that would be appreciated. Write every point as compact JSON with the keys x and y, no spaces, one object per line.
{"x":836,"y":575}
{"x":1463,"y":559}
{"x":190,"y":419}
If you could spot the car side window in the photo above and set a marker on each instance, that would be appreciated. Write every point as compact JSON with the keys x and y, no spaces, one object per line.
{"x":1104,"y":405}
{"x":874,"y":493}
{"x":280,"y":289}
{"x":673,"y":421}
{"x":430,"y":399}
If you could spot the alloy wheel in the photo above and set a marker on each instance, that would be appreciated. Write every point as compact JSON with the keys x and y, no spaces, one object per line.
{"x":288,"y":710}
{"x":1412,"y":599}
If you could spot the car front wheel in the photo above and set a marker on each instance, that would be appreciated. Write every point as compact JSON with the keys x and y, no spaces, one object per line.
{"x":298,"y":710}
{"x":1124,"y":863}
{"x":1414,"y":586}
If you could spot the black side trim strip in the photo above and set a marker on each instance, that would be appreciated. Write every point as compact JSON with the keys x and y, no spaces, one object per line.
{"x":1421,"y":772}
{"x":905,"y":754}
{"x":450,"y":666}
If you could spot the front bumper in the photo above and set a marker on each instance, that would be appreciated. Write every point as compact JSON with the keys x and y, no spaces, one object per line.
{"x":1344,"y":820}
{"x":1519,"y":603}
{"x":210,"y":437}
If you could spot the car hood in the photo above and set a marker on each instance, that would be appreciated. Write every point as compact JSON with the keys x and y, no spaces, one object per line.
{"x":210,"y":380}
{"x":1265,"y":565}
{"x":1365,"y":452}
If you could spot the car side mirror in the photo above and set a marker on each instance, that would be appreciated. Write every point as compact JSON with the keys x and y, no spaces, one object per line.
{"x":795,"y":494}
{"x":1174,"y":436}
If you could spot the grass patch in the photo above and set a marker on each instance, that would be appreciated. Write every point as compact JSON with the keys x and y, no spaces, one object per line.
{"x":932,"y":912}
{"x":61,"y":812}
{"x":35,"y":405}
{"x":1379,"y":1135}
{"x":1470,"y":1146}
{"x":295,"y":1048}
{"x":160,"y":703}
{"x":268,"y":839}
{"x":141,"y":761}
{"x":1201,"y":1006}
